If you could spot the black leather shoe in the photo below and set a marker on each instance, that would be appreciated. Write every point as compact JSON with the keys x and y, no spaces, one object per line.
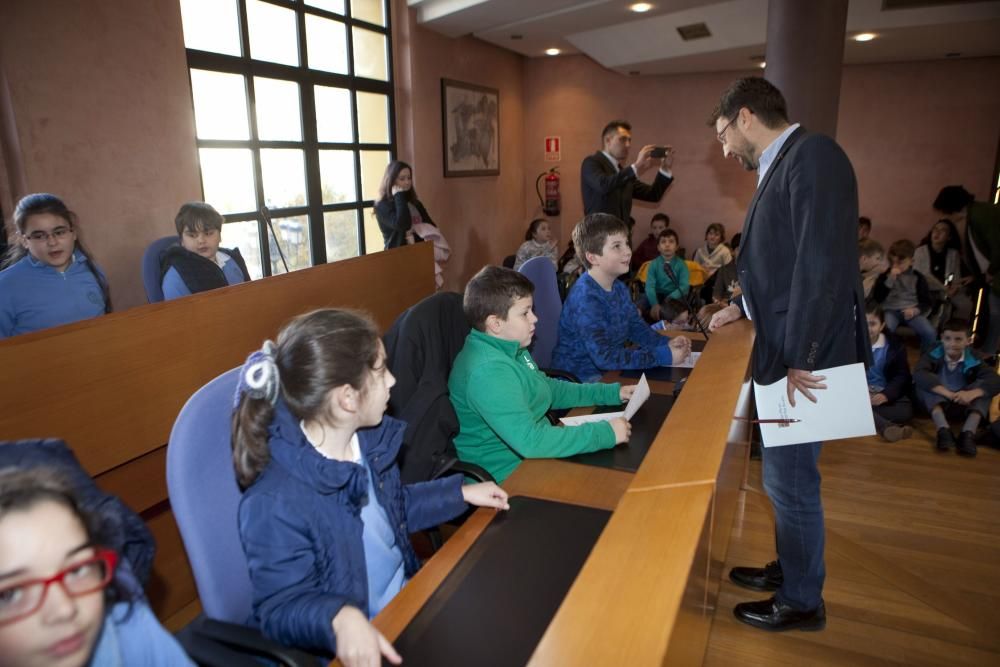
{"x":945,"y":439}
{"x":967,"y":444}
{"x":767,"y":578}
{"x":774,"y":616}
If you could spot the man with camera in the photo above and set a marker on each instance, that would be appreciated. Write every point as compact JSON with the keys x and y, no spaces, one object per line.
{"x":609,"y":184}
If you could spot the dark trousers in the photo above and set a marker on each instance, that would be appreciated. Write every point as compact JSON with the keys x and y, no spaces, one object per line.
{"x":792,"y":482}
{"x":897,"y":412}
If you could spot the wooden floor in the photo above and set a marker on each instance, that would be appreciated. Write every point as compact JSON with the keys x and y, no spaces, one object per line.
{"x":912,"y":556}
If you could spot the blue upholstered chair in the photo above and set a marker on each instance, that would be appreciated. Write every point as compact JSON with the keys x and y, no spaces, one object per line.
{"x":152,"y":280}
{"x":548,"y":307}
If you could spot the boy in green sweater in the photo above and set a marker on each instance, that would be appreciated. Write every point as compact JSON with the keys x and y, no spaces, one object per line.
{"x":501,"y":397}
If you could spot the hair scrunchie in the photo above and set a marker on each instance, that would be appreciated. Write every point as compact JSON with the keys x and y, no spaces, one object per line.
{"x":259,"y":375}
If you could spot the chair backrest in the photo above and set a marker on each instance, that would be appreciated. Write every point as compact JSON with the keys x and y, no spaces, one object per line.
{"x":421,"y":347}
{"x":152,"y":279}
{"x":548,"y":307}
{"x":696,"y":273}
{"x":643,"y":273}
{"x":205,"y":498}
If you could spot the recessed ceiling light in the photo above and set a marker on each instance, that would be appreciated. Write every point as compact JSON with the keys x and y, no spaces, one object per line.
{"x":552,"y":52}
{"x":763,"y":64}
{"x":640,"y":7}
{"x":864,"y":37}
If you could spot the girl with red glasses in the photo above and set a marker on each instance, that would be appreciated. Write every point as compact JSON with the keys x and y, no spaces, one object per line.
{"x":60,"y":602}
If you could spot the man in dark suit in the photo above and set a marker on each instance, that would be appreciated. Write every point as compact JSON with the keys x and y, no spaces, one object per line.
{"x":798,"y":269}
{"x":609,"y":185}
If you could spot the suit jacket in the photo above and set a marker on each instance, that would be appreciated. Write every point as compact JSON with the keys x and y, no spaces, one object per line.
{"x":798,"y":262}
{"x":609,"y":190}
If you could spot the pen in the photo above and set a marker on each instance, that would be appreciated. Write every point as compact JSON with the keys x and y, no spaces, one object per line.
{"x":768,"y":421}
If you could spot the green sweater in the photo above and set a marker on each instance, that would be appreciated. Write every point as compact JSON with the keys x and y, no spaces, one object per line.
{"x":501,"y":399}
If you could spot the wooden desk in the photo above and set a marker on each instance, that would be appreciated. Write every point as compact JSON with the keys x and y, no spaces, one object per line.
{"x":646,"y":594}
{"x":112,"y":386}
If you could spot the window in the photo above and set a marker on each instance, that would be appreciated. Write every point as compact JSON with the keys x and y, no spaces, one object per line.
{"x":293,"y":111}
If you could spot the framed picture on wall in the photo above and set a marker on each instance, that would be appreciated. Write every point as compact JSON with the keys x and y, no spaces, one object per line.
{"x":470,"y":129}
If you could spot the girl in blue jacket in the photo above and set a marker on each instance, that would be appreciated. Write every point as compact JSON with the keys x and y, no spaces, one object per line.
{"x":324,"y":519}
{"x":48,"y":278}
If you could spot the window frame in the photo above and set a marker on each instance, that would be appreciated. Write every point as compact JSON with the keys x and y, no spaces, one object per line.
{"x":306,"y":79}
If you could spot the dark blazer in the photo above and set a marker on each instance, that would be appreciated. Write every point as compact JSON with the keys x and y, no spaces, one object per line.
{"x":393,"y":217}
{"x":607,"y":190}
{"x":798,"y":262}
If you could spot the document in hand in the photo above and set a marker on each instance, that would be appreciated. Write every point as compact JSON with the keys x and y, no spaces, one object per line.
{"x":689,"y":361}
{"x":842,"y":410}
{"x":639,"y":397}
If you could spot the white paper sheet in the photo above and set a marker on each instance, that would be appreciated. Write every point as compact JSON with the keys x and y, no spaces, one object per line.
{"x":639,"y":396}
{"x":842,"y":410}
{"x":688,"y":362}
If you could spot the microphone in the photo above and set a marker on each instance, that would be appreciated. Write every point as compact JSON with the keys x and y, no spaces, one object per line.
{"x":687,"y":298}
{"x":266,"y":217}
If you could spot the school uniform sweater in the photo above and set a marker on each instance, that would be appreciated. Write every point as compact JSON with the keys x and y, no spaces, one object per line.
{"x":34,"y":296}
{"x":226,"y":269}
{"x":501,"y":399}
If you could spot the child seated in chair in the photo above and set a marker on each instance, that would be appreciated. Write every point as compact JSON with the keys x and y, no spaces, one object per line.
{"x":501,"y":397}
{"x":324,"y":519}
{"x":198,"y":264}
{"x":954,"y":384}
{"x":902,"y":292}
{"x":600,"y":329}
{"x":666,"y":278}
{"x":889,"y":379}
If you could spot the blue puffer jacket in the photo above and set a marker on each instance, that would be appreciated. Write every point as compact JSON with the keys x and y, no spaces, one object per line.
{"x":301,"y":528}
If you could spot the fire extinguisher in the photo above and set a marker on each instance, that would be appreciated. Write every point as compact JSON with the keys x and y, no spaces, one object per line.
{"x":550,"y":203}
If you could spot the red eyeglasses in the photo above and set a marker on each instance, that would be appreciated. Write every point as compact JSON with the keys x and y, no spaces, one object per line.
{"x":25,"y":598}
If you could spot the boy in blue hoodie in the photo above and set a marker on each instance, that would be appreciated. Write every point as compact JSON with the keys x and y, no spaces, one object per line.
{"x":953,"y":383}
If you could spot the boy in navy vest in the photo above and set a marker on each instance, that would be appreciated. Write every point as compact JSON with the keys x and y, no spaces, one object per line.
{"x":198,"y":264}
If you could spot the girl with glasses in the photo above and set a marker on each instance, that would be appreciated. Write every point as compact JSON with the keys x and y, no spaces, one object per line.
{"x":61,"y":603}
{"x":48,"y":278}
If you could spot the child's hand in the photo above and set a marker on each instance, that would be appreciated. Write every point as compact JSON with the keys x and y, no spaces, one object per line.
{"x":680,"y":348}
{"x":485,"y":494}
{"x":910,"y":313}
{"x":654,"y":312}
{"x":625,"y":393}
{"x":966,"y":397}
{"x":623,"y":429}
{"x":879,"y":399}
{"x":359,"y":644}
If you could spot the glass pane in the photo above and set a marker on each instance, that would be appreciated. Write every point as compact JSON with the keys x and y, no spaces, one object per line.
{"x":373,"y":165}
{"x":227,"y":179}
{"x":211,"y":25}
{"x":272,"y":33}
{"x":335,"y":6}
{"x":368,"y":10}
{"x":374,"y":242}
{"x":293,"y":233}
{"x":284,"y":173}
{"x":220,"y":105}
{"x":333,"y":114}
{"x":373,"y":118}
{"x":341,"y":235}
{"x":243,"y":235}
{"x":279,"y":116}
{"x":326,"y":44}
{"x":370,"y":54}
{"x":336,"y":173}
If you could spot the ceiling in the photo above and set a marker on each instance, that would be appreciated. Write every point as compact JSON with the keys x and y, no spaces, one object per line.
{"x":649,"y":43}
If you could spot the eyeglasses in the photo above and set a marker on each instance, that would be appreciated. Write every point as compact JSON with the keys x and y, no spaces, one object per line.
{"x":25,"y":598}
{"x":57,"y":233}
{"x":722,"y":135}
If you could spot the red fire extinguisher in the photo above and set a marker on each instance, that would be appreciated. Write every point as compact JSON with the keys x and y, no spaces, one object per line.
{"x":550,"y":203}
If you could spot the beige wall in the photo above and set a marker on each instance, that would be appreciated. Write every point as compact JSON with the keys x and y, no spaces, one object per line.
{"x":908,"y":129}
{"x":481,"y":216}
{"x":104,"y":116}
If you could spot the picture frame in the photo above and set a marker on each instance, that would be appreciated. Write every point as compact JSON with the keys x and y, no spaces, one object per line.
{"x":470,"y":129}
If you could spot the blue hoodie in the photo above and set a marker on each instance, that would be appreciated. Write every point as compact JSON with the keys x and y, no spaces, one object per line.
{"x":34,"y":296}
{"x":301,"y":528}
